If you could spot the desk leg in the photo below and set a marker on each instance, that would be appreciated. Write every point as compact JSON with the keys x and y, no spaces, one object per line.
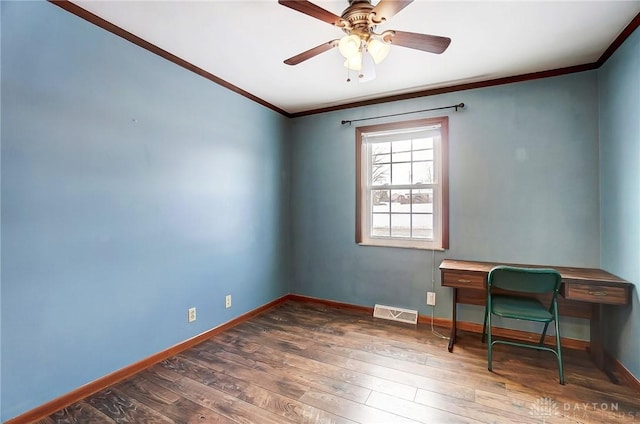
{"x":452,"y":336}
{"x":596,"y":349}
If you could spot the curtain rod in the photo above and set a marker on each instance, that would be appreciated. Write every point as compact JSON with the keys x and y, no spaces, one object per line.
{"x":458,"y":106}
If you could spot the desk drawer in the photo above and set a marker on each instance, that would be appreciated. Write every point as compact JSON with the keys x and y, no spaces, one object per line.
{"x":595,"y":293}
{"x":463,"y":280}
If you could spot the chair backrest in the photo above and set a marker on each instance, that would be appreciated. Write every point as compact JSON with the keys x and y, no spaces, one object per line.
{"x":526,"y":280}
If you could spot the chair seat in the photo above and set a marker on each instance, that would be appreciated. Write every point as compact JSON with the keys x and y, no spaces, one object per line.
{"x":520,"y":308}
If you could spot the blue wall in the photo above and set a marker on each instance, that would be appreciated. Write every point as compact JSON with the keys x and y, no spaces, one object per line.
{"x":619,"y":87}
{"x":132,"y":189}
{"x":523,"y":189}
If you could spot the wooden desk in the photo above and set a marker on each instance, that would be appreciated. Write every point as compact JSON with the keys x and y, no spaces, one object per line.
{"x":584,"y":292}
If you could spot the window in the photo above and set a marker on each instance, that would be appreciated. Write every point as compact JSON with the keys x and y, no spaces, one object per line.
{"x":402,"y":193}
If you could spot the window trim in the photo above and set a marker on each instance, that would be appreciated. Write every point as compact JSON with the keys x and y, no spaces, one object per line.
{"x":443,"y":121}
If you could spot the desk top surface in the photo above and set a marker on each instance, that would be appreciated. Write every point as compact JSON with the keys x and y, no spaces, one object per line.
{"x":567,"y":273}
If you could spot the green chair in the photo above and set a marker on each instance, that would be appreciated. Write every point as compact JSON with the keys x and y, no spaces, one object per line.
{"x":515,"y":305}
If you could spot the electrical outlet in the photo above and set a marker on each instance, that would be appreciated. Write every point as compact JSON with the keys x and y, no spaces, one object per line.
{"x":192,"y":314}
{"x":431,"y":298}
{"x":227,"y":301}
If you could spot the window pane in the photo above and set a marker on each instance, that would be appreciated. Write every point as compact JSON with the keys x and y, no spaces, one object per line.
{"x":401,"y":173}
{"x":423,"y":143}
{"x":423,"y":172}
{"x":380,"y":174}
{"x":380,"y":200}
{"x":423,"y":154}
{"x":423,"y":226}
{"x":399,"y":201}
{"x":401,"y":146}
{"x":402,"y":157}
{"x":401,"y":225}
{"x":422,"y":201}
{"x":382,"y":158}
{"x":378,"y":148}
{"x":380,"y":224}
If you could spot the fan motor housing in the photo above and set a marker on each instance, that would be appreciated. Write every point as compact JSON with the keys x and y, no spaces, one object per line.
{"x":357,"y":14}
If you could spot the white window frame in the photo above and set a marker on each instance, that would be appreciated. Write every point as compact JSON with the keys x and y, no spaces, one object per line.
{"x":440,"y":184}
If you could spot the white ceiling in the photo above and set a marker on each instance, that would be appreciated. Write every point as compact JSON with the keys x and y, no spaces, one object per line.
{"x":245,"y":43}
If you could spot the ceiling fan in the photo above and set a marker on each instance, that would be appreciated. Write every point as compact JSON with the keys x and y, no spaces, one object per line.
{"x":362,"y":46}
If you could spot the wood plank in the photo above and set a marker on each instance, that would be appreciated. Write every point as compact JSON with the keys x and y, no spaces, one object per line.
{"x":121,"y":408}
{"x":218,"y":401}
{"x":386,"y":348}
{"x":274,"y":365}
{"x":352,"y":410}
{"x":80,"y":412}
{"x":269,"y":398}
{"x":232,"y":377}
{"x":431,"y":379}
{"x":471,"y":409}
{"x":171,"y":404}
{"x":415,"y":410}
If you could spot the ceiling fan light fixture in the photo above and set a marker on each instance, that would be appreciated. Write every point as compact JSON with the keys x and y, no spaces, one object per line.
{"x":354,"y":62}
{"x":349,"y":45}
{"x":378,"y":49}
{"x":368,"y":71}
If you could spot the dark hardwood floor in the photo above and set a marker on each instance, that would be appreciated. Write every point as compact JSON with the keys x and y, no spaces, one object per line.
{"x":309,"y":363}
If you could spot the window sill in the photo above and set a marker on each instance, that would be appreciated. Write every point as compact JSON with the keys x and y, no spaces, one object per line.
{"x":403,"y":245}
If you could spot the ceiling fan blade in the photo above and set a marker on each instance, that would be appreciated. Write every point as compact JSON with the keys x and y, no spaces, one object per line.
{"x":311,"y":52}
{"x":386,"y":9}
{"x":314,"y":11}
{"x":412,"y":40}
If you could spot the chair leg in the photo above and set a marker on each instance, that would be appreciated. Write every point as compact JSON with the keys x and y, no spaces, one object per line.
{"x":484,"y":324}
{"x":559,"y":351}
{"x":489,"y":344}
{"x":544,"y":333}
